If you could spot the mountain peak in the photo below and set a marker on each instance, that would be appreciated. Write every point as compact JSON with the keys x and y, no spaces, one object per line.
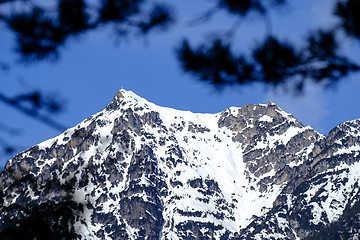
{"x":128,"y":98}
{"x":137,"y":170}
{"x":269,"y":103}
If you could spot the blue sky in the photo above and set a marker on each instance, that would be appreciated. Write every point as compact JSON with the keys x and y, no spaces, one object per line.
{"x":91,"y":69}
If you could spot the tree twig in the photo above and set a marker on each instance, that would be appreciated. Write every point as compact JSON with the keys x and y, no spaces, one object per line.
{"x":31,"y":113}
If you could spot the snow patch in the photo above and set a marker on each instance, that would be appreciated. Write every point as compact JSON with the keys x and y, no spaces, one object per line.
{"x":265,"y":118}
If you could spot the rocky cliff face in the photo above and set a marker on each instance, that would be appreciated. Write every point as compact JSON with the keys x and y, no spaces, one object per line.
{"x":139,"y":171}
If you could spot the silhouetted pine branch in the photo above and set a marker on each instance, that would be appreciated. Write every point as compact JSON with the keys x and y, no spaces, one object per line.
{"x":36,"y":102}
{"x":42,"y":32}
{"x":273,"y":62}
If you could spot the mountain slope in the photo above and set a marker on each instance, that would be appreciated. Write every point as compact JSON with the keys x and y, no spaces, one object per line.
{"x":326,"y":185}
{"x":139,"y":171}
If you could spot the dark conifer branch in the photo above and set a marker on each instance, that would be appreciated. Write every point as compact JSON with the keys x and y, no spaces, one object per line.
{"x":273,"y":62}
{"x":348,"y":13}
{"x":41,"y":33}
{"x":32,"y":112}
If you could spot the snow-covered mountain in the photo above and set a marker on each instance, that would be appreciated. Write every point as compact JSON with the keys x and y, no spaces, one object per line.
{"x":139,"y":171}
